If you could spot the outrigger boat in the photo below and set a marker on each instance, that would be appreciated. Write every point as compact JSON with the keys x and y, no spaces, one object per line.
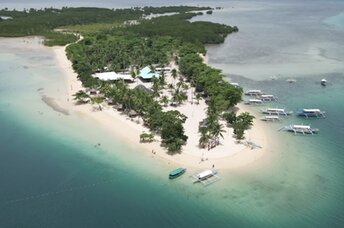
{"x":291,"y":80}
{"x":268,"y":97}
{"x":303,"y":129}
{"x":235,"y":84}
{"x":206,"y":177}
{"x":176,"y":173}
{"x":311,"y":113}
{"x":271,"y":118}
{"x":253,"y":92}
{"x":254,"y":102}
{"x":276,"y":111}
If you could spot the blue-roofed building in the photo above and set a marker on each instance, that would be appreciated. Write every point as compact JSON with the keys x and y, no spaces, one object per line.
{"x":147,"y":74}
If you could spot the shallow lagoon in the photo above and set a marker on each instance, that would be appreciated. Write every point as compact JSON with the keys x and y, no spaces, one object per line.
{"x":54,"y":174}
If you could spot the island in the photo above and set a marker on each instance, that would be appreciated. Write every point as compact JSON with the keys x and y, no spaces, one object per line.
{"x":142,"y":72}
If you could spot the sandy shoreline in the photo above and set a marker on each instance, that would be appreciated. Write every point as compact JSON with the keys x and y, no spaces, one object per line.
{"x":227,"y":155}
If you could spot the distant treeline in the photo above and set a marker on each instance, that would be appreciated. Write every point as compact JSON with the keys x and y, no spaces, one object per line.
{"x":149,"y":42}
{"x":44,"y":21}
{"x":179,"y":27}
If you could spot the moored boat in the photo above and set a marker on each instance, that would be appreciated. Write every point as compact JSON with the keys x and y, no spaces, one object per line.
{"x":271,"y":118}
{"x":176,"y":173}
{"x":302,"y":129}
{"x":253,"y":92}
{"x":268,"y":97}
{"x":311,"y":113}
{"x":254,"y":102}
{"x":291,"y":80}
{"x":235,"y":84}
{"x":205,"y":175}
{"x":276,"y":111}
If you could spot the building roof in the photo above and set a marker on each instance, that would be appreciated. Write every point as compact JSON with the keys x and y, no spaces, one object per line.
{"x":147,"y":73}
{"x":107,"y":76}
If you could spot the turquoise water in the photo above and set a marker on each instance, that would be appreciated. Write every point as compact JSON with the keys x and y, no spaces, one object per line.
{"x":336,"y":21}
{"x":53,"y":174}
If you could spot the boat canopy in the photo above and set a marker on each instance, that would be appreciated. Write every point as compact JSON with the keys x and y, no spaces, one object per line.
{"x":302,"y":126}
{"x":271,"y":117}
{"x":311,"y":110}
{"x":254,"y":91}
{"x":205,"y":173}
{"x":276,"y":109}
{"x":176,"y":171}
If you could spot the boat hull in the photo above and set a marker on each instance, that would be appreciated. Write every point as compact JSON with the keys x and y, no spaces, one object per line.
{"x":176,"y":173}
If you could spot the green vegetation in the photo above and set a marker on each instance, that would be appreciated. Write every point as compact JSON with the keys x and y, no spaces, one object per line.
{"x":159,"y":41}
{"x":240,"y":123}
{"x":210,"y":84}
{"x":172,"y":9}
{"x":122,"y":40}
{"x":42,"y":22}
{"x":177,"y":26}
{"x":90,"y":28}
{"x":146,"y":137}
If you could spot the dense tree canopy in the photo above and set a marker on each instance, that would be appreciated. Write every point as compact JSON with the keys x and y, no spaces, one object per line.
{"x":126,"y":46}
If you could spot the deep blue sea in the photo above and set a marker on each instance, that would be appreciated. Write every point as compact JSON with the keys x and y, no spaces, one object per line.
{"x":53,"y":174}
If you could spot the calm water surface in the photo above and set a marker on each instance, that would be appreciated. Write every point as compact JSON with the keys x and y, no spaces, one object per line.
{"x":54,"y":175}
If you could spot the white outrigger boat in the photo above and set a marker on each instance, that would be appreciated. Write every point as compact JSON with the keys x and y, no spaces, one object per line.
{"x":268,"y":97}
{"x":253,"y":92}
{"x":277,"y":111}
{"x":235,"y":84}
{"x":303,"y":129}
{"x":206,"y":177}
{"x":311,"y":113}
{"x":254,"y":102}
{"x":271,"y":118}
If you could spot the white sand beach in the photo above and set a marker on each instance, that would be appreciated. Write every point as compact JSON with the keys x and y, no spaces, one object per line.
{"x":228,"y":155}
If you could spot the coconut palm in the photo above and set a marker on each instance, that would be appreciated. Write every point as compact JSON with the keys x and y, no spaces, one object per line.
{"x":133,"y":75}
{"x":164,"y":100}
{"x":162,"y":79}
{"x":171,"y":87}
{"x":97,"y":100}
{"x":81,"y":96}
{"x":155,"y":87}
{"x":204,"y":139}
{"x":198,"y":97}
{"x":174,"y":75}
{"x":217,"y":130}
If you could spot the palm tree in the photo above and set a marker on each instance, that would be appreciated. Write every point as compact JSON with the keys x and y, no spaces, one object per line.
{"x":162,"y":79}
{"x":179,"y":96}
{"x":198,"y":97}
{"x":133,"y":75}
{"x":217,"y":130}
{"x":106,"y":89}
{"x":204,"y":139}
{"x":80,"y":96}
{"x":98,"y":101}
{"x":171,"y":87}
{"x":164,"y":100}
{"x":155,"y":87}
{"x":174,"y":75}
